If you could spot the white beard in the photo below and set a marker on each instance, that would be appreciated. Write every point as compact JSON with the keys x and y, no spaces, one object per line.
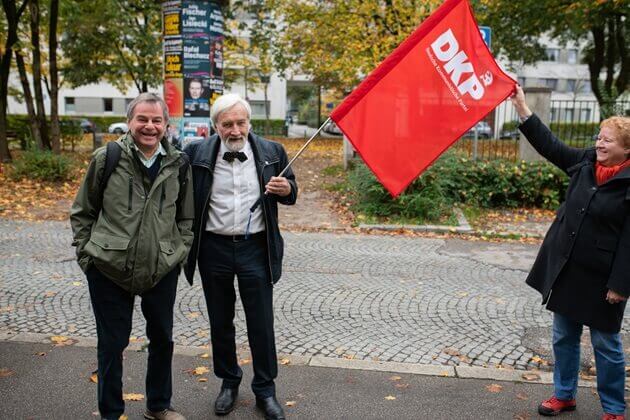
{"x":234,"y":146}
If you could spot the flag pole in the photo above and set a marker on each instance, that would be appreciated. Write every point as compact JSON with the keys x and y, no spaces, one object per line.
{"x":303,"y":147}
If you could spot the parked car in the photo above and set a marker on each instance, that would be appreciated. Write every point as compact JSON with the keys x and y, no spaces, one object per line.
{"x":87,"y":126}
{"x":513,"y":134}
{"x":331,"y":128}
{"x":483,"y":129}
{"x":118,"y":128}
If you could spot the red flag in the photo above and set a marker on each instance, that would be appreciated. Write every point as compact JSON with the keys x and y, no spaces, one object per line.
{"x":436,"y":85}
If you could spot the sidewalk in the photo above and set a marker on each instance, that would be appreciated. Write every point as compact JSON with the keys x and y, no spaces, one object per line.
{"x":40,"y":381}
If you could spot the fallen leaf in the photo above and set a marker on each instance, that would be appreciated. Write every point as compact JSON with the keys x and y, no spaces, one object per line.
{"x":401,"y":386}
{"x":200,"y":370}
{"x":133,"y":397}
{"x":58,"y":339}
{"x":123,"y":417}
{"x":390,"y":398}
{"x":285,"y":361}
{"x":4,"y":372}
{"x":395,"y":378}
{"x":202,"y":380}
{"x":50,"y":294}
{"x":444,"y":373}
{"x":522,"y":396}
{"x":205,"y":355}
{"x":202,"y":333}
{"x":76,"y":283}
{"x":531,"y":376}
{"x":289,"y":403}
{"x":193,"y":315}
{"x":245,"y":361}
{"x":494,"y":388}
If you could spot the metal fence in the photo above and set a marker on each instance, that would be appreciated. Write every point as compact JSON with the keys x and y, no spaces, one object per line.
{"x":576,"y":122}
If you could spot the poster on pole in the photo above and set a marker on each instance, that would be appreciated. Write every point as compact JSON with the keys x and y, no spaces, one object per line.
{"x":173,"y":58}
{"x":195,"y":129}
{"x":174,"y":97}
{"x":196,"y":56}
{"x":197,"y":93}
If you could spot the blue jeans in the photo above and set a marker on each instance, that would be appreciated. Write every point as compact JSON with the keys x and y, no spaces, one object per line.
{"x":609,"y":362}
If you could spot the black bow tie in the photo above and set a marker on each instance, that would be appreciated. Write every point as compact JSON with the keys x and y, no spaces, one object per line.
{"x":230,"y":156}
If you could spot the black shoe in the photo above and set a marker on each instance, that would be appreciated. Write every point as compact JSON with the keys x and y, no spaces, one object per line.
{"x":271,"y":407}
{"x":225,"y":401}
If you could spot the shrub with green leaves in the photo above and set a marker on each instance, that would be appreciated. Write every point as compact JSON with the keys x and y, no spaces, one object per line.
{"x":43,"y":166}
{"x":454,"y":180}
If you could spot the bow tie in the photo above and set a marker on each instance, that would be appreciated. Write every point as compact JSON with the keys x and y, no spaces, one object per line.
{"x":230,"y":156}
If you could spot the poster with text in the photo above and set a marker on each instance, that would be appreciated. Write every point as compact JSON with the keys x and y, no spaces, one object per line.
{"x":171,"y":19}
{"x":173,"y":58}
{"x":197,"y":57}
{"x":195,"y":129}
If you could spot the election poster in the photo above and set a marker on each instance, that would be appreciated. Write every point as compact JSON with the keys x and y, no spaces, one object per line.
{"x":196,"y":56}
{"x":195,"y":129}
{"x":173,"y":58}
{"x":197,"y":95}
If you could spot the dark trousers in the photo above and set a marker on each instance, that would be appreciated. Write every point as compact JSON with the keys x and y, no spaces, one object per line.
{"x":220,"y":259}
{"x":113,"y":309}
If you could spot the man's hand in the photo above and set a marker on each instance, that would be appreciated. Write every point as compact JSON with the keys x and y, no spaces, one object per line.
{"x":278,"y":185}
{"x":614,"y":297}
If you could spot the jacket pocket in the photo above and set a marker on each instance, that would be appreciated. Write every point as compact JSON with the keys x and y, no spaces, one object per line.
{"x":167,"y":258}
{"x":108,"y":250}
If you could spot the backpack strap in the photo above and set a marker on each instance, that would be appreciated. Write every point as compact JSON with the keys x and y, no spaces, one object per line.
{"x":113,"y":152}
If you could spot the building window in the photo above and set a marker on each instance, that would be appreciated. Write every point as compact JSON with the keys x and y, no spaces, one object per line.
{"x":552,"y":54}
{"x":69,"y":104}
{"x":550,"y":83}
{"x":108,"y":104}
{"x":572,"y":55}
{"x":586,"y":87}
{"x":258,"y":108}
{"x":571,"y":85}
{"x":568,"y":114}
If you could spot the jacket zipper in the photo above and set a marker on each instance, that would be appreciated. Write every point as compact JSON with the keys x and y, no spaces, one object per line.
{"x":262,"y":204}
{"x":130,"y":194}
{"x":162,"y":197}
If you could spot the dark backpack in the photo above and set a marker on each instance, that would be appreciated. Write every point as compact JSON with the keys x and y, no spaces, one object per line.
{"x":113,"y":151}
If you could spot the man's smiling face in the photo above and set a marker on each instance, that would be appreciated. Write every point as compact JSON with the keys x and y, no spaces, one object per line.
{"x":147,"y":126}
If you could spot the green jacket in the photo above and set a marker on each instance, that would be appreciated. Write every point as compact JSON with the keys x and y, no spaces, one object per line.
{"x":143,"y":230}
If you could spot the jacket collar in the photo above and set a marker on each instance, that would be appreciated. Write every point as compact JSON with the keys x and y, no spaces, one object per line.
{"x":208,"y":149}
{"x":127,"y":144}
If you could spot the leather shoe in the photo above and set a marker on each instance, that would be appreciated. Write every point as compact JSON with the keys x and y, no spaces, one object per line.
{"x":271,"y":407}
{"x":225,"y":401}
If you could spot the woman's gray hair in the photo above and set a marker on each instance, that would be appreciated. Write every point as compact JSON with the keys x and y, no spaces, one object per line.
{"x":151,"y":98}
{"x":225,"y":102}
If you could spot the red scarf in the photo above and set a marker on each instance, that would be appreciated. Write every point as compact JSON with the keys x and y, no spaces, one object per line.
{"x":604,"y":173}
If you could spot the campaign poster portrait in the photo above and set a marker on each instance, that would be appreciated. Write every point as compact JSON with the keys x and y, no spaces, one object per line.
{"x":197,"y":93}
{"x":173,"y":58}
{"x":216,"y":57}
{"x":195,"y":129}
{"x":174,"y":97}
{"x":197,"y":57}
{"x":171,"y":18}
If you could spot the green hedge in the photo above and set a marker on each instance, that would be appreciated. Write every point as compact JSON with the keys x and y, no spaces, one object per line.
{"x":276,"y":127}
{"x":453,"y":180}
{"x":41,"y":165}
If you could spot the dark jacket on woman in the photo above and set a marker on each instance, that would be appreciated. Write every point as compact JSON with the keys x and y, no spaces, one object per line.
{"x":587,"y":248}
{"x":271,"y":159}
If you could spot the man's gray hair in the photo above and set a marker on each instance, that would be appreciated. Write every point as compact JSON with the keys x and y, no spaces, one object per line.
{"x":147,"y":97}
{"x":225,"y":102}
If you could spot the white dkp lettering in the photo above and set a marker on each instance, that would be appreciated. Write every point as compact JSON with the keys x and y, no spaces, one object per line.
{"x":446,"y":49}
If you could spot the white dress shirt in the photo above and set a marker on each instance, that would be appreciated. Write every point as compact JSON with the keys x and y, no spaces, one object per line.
{"x":235,"y":189}
{"x":148,"y":162}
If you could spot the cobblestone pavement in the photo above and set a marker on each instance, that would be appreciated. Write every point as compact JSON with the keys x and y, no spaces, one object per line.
{"x":385,"y":298}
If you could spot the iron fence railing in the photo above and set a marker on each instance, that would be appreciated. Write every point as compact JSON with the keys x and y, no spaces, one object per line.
{"x":576,"y":122}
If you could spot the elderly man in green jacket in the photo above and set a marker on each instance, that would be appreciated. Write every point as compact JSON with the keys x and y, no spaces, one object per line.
{"x":132,"y":220}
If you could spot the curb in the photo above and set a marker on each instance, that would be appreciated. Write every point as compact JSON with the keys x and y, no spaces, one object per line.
{"x":463,"y":227}
{"x":458,"y":372}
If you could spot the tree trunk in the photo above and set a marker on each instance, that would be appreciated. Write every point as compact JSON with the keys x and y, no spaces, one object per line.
{"x":37,"y":76}
{"x":13,"y":16}
{"x":54,"y":78}
{"x":28,"y":98}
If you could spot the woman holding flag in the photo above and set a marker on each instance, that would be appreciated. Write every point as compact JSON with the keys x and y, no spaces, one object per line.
{"x":583,"y":268}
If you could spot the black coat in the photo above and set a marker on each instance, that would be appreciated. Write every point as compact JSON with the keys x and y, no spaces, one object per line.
{"x":587,"y":248}
{"x":271,"y":159}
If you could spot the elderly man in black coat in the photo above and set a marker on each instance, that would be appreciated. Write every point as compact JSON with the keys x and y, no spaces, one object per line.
{"x":237,"y":189}
{"x":583,"y":267}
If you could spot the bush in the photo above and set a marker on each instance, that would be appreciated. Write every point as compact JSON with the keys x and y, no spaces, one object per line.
{"x":43,"y":166}
{"x":454,"y":180}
